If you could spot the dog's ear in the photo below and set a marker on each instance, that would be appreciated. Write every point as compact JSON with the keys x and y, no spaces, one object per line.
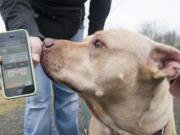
{"x":164,"y":61}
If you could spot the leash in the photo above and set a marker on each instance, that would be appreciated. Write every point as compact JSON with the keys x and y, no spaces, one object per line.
{"x":160,"y":132}
{"x":86,"y":116}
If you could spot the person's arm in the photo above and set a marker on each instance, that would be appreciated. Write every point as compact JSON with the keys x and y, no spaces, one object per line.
{"x":18,"y":14}
{"x":99,"y":10}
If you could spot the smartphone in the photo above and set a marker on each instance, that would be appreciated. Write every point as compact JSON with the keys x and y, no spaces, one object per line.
{"x":17,"y":71}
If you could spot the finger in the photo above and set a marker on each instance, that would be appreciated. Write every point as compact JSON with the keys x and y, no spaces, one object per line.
{"x":36,"y":45}
{"x":37,"y":50}
{"x":36,"y":57}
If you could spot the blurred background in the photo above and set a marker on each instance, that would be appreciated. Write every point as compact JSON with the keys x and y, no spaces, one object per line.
{"x":157,"y":19}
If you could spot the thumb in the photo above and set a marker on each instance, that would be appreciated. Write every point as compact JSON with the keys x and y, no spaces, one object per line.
{"x":36,"y":57}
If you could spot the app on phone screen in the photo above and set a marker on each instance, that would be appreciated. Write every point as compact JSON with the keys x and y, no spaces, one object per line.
{"x":16,"y":69}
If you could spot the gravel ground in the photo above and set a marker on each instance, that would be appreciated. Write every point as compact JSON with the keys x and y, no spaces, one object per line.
{"x":12,"y":122}
{"x":177,"y":115}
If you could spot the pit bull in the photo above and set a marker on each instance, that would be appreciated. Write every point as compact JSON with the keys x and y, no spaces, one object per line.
{"x":123,"y":76}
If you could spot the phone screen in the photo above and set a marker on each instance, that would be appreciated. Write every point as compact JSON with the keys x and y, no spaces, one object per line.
{"x":16,"y":67}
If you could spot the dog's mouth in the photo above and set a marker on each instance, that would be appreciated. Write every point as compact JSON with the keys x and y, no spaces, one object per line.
{"x":61,"y":64}
{"x":52,"y":66}
{"x":51,"y":63}
{"x":50,"y":60}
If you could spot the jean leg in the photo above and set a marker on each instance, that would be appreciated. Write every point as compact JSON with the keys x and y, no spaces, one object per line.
{"x":37,"y":120}
{"x":66,"y":103}
{"x":79,"y":35}
{"x":66,"y":110}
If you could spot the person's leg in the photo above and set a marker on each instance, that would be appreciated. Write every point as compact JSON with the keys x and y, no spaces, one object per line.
{"x":66,"y":104}
{"x":66,"y":110}
{"x":37,"y":119}
{"x":79,"y":35}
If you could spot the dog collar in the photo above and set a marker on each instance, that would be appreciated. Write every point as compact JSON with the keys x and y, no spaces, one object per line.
{"x":160,"y":132}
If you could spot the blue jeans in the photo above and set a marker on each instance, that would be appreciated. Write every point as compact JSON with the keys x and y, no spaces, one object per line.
{"x":37,"y":118}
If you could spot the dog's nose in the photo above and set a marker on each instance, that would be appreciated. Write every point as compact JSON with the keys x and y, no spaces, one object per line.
{"x":48,"y":42}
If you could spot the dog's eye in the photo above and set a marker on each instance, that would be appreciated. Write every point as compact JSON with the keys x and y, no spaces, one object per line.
{"x":98,"y":44}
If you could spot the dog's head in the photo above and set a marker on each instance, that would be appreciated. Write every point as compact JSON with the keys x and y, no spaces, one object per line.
{"x":123,"y":76}
{"x":109,"y":62}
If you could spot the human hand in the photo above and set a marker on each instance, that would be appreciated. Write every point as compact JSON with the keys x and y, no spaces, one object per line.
{"x":36,"y":47}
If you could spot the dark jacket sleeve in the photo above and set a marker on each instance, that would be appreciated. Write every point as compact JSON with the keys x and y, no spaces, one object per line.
{"x":18,"y":14}
{"x":99,"y":10}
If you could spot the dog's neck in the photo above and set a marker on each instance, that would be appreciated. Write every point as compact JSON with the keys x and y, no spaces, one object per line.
{"x":135,"y":114}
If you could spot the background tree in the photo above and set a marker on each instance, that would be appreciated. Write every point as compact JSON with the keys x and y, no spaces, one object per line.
{"x":154,"y":32}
